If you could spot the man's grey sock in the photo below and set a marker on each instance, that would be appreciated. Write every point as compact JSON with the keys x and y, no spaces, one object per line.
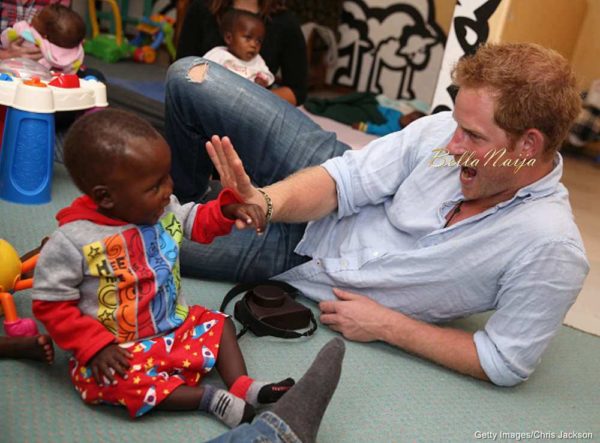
{"x":228,"y":408}
{"x":303,"y":406}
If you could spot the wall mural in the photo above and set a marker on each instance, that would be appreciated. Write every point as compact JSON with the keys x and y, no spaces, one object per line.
{"x":469,"y":29}
{"x":395,"y":50}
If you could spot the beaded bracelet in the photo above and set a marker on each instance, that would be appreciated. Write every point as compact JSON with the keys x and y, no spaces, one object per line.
{"x":269,"y":202}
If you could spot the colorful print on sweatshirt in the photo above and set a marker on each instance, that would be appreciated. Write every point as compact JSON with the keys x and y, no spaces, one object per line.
{"x":138,"y":279}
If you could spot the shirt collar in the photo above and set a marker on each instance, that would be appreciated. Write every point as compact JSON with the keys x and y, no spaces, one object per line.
{"x":545,"y":185}
{"x":538,"y":189}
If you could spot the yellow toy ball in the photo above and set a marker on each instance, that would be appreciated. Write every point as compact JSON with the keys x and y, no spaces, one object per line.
{"x":10,"y":268}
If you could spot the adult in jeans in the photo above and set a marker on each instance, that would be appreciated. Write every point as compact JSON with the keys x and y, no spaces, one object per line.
{"x":403,"y":239}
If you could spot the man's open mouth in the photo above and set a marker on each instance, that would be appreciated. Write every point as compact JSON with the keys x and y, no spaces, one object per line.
{"x":467,"y":173}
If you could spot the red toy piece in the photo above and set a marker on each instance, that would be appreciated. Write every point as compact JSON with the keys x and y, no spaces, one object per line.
{"x":65,"y":81}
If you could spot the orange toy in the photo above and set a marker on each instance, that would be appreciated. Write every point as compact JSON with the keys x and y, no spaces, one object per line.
{"x":11,"y":272}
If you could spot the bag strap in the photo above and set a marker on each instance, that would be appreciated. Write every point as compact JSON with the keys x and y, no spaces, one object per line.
{"x":244,"y":287}
{"x":259,"y":326}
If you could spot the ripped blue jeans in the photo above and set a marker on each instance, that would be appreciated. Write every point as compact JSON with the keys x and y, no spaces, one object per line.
{"x":266,"y":428}
{"x":273,"y":140}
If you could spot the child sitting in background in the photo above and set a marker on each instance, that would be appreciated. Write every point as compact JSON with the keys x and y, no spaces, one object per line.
{"x":58,"y":32}
{"x":243,"y":33}
{"x":395,"y":121}
{"x":107,"y":283}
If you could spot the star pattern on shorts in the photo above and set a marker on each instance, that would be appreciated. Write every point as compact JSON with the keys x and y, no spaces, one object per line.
{"x":149,"y":363}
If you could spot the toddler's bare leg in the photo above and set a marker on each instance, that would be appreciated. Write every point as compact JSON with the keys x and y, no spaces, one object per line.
{"x":230,"y":361}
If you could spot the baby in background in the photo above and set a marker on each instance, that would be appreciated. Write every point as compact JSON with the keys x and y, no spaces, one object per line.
{"x":107,"y":284}
{"x":58,"y":31}
{"x":395,"y":121}
{"x":243,"y":33}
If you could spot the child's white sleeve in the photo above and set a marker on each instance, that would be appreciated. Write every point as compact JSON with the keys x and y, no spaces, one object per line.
{"x":264,"y":69}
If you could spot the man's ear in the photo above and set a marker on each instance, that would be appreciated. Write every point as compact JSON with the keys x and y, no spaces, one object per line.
{"x":531,"y":143}
{"x":228,"y":37}
{"x":101,"y":196}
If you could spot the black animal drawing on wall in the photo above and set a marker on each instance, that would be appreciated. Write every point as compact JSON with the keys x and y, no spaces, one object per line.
{"x":379,"y":42}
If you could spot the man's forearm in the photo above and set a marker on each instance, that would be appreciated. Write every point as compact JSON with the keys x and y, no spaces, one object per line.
{"x":452,"y":348}
{"x":307,"y":195}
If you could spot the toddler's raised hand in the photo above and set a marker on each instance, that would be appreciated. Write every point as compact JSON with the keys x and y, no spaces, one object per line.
{"x":109,"y":361}
{"x":245,"y":216}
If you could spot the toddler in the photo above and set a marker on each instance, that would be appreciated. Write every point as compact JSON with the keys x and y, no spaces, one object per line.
{"x":58,"y":32}
{"x":395,"y":121}
{"x":107,"y":283}
{"x":243,"y":33}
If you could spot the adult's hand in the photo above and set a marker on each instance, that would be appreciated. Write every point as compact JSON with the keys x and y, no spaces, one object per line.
{"x":19,"y":48}
{"x":355,"y":316}
{"x":231,"y":170}
{"x":359,"y":318}
{"x":307,"y":195}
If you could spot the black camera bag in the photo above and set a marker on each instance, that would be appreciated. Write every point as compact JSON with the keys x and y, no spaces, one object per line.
{"x":269,"y":307}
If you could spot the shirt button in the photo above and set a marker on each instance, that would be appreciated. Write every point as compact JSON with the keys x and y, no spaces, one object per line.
{"x":375,"y":254}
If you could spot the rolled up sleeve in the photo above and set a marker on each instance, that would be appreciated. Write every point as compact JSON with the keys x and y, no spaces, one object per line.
{"x":534,"y":297}
{"x":493,"y":364}
{"x":371,"y":175}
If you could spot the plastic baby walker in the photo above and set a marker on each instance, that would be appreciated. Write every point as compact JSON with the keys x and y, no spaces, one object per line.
{"x":31,"y":95}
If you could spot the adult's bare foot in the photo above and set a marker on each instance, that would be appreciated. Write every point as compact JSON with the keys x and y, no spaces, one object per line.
{"x":33,"y":348}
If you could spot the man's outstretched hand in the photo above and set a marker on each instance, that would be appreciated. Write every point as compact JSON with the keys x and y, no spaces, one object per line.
{"x":231,"y":170}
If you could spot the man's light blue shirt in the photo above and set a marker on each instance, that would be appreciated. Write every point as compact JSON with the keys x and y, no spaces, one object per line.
{"x":523,"y":258}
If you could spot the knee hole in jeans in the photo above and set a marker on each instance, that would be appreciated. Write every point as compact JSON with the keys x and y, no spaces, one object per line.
{"x":198,"y":72}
